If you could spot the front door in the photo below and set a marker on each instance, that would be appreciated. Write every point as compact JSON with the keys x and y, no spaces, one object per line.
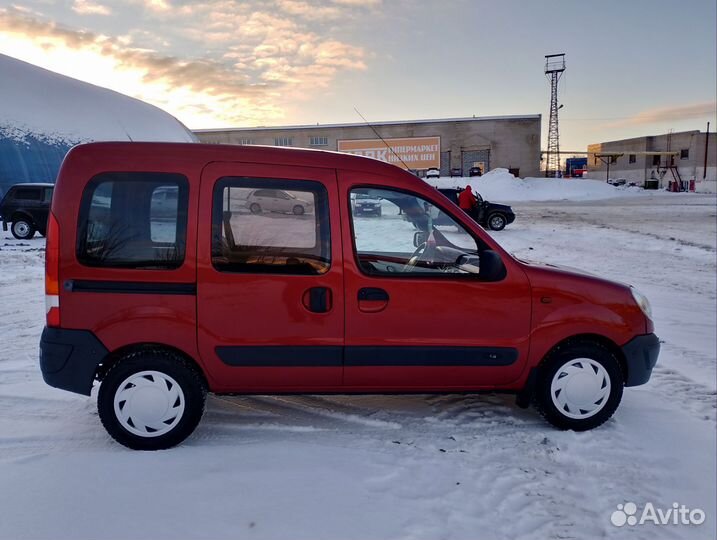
{"x":270,"y":278}
{"x":416,"y":319}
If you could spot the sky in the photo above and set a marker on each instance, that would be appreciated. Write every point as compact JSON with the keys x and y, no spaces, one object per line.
{"x":634,"y":67}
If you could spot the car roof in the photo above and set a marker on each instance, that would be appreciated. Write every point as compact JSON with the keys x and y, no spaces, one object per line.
{"x":32,"y":184}
{"x":308,"y":157}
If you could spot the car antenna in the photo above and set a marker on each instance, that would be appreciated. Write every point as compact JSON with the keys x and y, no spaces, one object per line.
{"x":382,"y":139}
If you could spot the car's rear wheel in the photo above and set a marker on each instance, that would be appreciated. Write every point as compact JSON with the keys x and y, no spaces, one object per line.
{"x":298,"y":210}
{"x":579,"y":386}
{"x":497,"y":221}
{"x":22,"y":229}
{"x":151,"y":400}
{"x":255,"y":208}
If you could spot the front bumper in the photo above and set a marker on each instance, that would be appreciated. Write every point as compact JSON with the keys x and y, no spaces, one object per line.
{"x":69,"y":358}
{"x":640,"y":356}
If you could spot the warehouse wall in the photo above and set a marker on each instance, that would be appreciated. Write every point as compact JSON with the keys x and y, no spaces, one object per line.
{"x":509,"y":142}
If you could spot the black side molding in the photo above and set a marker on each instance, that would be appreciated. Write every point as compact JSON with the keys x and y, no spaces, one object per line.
{"x":129,"y":287}
{"x":328,"y":356}
{"x":281,"y":356}
{"x":430,"y":356}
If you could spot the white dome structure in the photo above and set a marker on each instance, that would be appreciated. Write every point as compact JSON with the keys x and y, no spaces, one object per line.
{"x":43,"y":114}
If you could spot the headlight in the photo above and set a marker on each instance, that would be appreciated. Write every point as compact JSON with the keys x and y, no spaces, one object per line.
{"x":642,"y":301}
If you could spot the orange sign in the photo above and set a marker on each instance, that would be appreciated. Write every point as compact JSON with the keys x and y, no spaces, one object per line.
{"x":415,"y":152}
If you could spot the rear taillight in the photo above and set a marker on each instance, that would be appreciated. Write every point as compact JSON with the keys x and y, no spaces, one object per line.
{"x":52,"y":272}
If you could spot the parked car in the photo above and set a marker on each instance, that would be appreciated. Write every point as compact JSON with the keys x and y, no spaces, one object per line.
{"x":492,"y":215}
{"x":328,"y":303}
{"x":617,"y":181}
{"x":365,"y":204}
{"x":456,"y":171}
{"x":164,"y":202}
{"x":433,"y":172}
{"x":475,"y":171}
{"x":276,"y":200}
{"x":25,"y":208}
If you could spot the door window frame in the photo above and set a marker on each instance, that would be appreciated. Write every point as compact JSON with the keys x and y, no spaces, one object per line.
{"x":480,"y":244}
{"x":322,"y":215}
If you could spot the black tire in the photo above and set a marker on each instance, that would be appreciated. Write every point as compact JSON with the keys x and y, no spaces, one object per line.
{"x":165,"y":363}
{"x":255,"y":208}
{"x":571,"y":355}
{"x":22,"y":229}
{"x":298,"y":210}
{"x":497,"y":221}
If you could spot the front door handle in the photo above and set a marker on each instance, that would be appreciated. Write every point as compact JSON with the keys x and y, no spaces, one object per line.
{"x":372,"y":299}
{"x":317,"y":299}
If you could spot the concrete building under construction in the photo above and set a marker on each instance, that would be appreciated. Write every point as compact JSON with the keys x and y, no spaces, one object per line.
{"x":683,"y":157}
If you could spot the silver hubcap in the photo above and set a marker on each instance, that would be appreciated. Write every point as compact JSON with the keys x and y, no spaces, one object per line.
{"x":580,"y":388}
{"x":496,"y":222}
{"x":21,"y":228}
{"x":149,"y":403}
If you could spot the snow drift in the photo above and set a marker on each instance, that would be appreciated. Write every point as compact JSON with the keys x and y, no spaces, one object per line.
{"x":500,"y":185}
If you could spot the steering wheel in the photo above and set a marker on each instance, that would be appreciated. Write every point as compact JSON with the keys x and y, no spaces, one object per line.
{"x":423,"y":250}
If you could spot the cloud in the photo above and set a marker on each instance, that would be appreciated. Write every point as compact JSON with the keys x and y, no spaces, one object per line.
{"x":694,"y":111}
{"x":360,"y":3}
{"x":255,"y":62}
{"x":88,"y":7}
{"x":160,"y":6}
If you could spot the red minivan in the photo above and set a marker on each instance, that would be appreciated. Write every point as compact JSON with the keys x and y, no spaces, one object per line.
{"x":173,"y":270}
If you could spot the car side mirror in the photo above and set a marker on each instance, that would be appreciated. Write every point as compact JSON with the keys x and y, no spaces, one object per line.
{"x":469,"y":263}
{"x":491,"y":266}
{"x":419,"y":238}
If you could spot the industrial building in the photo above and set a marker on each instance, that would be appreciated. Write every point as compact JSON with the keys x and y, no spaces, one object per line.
{"x":665,"y":158}
{"x":511,"y":142}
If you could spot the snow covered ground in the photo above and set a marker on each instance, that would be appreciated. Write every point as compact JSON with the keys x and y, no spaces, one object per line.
{"x":451,"y":467}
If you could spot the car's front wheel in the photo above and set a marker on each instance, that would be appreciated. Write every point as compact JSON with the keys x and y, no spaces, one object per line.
{"x":497,"y":222}
{"x":255,"y":208}
{"x":151,"y":400}
{"x":22,"y":229}
{"x":298,"y":210}
{"x":579,"y":386}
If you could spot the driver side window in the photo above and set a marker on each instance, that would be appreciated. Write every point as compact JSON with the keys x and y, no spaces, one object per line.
{"x":400,"y":233}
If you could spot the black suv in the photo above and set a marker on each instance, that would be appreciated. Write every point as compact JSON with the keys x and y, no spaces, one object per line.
{"x":488,"y":214}
{"x":26,"y":207}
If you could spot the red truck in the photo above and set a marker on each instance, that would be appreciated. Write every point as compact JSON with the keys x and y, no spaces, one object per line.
{"x":164,"y":282}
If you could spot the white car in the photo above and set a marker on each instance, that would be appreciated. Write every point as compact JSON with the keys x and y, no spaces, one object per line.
{"x":433,"y":172}
{"x":277,"y":200}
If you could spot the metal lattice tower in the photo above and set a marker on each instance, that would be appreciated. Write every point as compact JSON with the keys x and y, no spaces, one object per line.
{"x":554,"y":67}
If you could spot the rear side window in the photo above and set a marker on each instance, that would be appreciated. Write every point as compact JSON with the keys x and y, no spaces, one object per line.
{"x":27,"y":194}
{"x":133,"y":220}
{"x":270,"y":226}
